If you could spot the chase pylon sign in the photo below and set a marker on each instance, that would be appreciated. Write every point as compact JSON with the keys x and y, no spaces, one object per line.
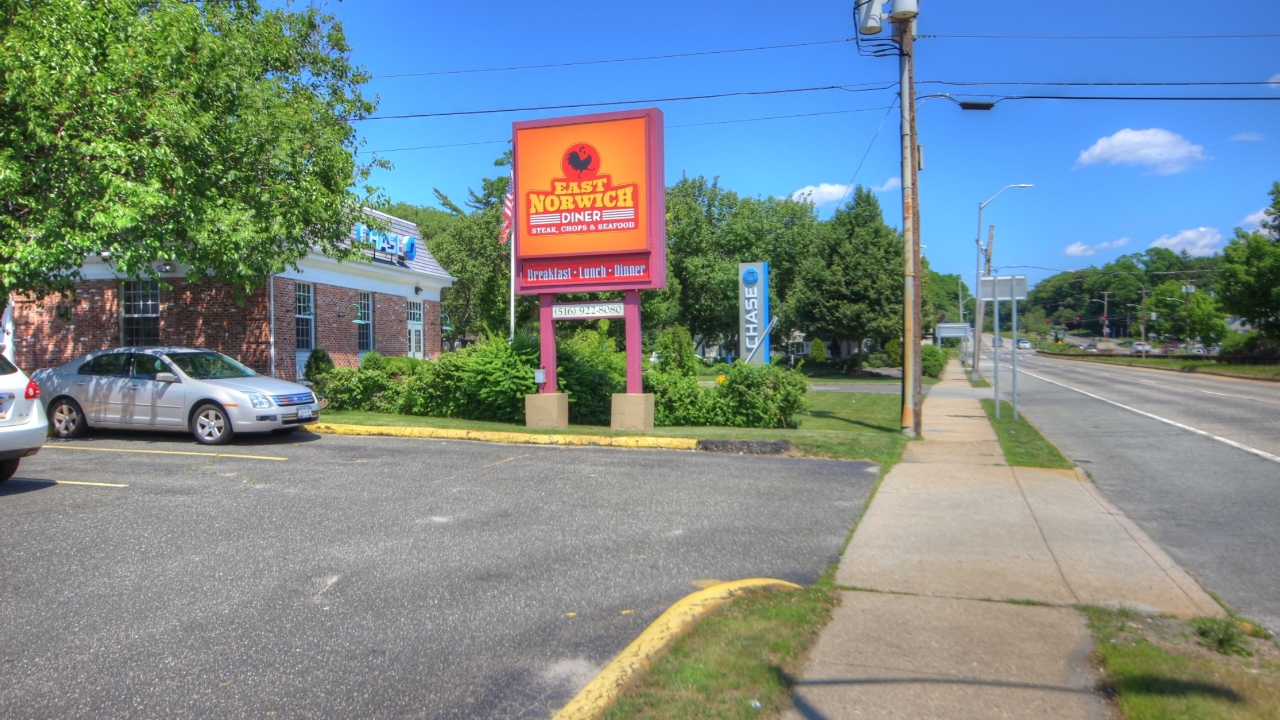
{"x":753,"y":312}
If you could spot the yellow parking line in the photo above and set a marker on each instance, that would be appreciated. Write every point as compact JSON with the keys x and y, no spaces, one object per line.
{"x":78,"y":482}
{"x":165,"y":452}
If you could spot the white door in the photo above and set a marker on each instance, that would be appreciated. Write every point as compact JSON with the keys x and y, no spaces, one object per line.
{"x":415,"y":329}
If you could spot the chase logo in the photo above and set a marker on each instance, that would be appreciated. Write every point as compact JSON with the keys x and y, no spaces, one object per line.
{"x":405,"y":246}
{"x":750,"y":276}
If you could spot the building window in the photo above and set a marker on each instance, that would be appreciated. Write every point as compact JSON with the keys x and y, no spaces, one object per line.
{"x":415,"y":329}
{"x":304,"y":315}
{"x":140,"y":326}
{"x":364,"y":321}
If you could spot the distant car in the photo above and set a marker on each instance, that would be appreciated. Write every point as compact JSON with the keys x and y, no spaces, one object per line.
{"x":1091,"y":348}
{"x":202,"y":392}
{"x":1141,"y":347}
{"x":23,"y":426}
{"x":1024,"y":344}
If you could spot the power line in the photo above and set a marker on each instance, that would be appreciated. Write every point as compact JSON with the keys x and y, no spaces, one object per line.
{"x":745,"y":93}
{"x":867,"y":152}
{"x":1096,"y":37}
{"x":1098,"y":84}
{"x":669,"y":127}
{"x":1148,"y":97}
{"x":615,"y":60}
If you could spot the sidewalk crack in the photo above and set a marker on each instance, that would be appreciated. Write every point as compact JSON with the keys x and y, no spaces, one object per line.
{"x":1044,"y":538}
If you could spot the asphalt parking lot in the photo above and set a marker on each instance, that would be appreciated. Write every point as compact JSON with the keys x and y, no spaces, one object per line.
{"x":331,"y":576}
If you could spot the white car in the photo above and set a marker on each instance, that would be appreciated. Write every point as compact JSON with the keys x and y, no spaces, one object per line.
{"x":1024,"y":344}
{"x":23,"y":426}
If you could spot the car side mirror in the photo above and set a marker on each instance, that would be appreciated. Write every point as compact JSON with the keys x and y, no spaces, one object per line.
{"x":167,"y":377}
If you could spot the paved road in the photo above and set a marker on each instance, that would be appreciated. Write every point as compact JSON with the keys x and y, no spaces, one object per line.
{"x":1212,"y":506}
{"x":374,"y":577}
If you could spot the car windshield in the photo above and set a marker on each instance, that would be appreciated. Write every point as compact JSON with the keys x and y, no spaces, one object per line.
{"x":209,"y":366}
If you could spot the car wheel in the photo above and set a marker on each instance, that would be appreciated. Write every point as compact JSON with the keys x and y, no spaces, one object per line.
{"x":7,"y":469}
{"x":211,"y":426}
{"x":66,"y":419}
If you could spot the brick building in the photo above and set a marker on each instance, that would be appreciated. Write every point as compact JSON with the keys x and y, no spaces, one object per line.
{"x":390,"y":302}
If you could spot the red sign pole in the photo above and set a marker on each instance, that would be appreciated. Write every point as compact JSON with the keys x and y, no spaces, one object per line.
{"x":631,"y":317}
{"x":547,"y":339}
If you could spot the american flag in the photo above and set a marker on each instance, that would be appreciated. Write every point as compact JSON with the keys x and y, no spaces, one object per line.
{"x":508,"y":210}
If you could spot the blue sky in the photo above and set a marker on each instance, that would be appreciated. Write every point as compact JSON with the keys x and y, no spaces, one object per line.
{"x":1110,"y":177}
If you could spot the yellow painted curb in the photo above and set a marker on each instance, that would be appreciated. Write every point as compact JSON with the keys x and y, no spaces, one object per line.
{"x":507,"y":437}
{"x":600,"y":694}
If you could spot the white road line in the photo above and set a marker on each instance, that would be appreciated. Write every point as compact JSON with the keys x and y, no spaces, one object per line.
{"x":1210,"y":392}
{"x":1225,"y":441}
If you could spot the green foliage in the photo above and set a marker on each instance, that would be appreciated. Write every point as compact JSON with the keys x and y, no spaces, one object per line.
{"x":590,"y":369}
{"x":318,"y":363}
{"x":933,"y":361}
{"x":818,"y":350}
{"x":399,"y":366}
{"x":1250,"y":278}
{"x":484,"y":381}
{"x":374,"y":362}
{"x":761,"y":396}
{"x":893,"y":353}
{"x":850,"y":286}
{"x":217,"y":136}
{"x":1221,"y":635}
{"x":1252,"y":344}
{"x":676,"y":353}
{"x":678,"y":400}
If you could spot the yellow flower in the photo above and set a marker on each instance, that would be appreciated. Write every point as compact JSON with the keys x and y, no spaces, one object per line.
{"x":721,"y":378}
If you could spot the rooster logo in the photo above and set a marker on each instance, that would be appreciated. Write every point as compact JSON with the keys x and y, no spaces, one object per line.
{"x":580,"y":162}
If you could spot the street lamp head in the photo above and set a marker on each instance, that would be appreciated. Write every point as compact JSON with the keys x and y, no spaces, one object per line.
{"x":976,"y":105}
{"x":1026,"y":185}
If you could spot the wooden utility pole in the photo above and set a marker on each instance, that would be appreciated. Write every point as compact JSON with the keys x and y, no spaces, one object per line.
{"x":911,"y":240}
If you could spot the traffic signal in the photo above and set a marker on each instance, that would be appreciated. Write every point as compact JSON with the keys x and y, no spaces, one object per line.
{"x":1104,"y":319}
{"x":1077,"y":318}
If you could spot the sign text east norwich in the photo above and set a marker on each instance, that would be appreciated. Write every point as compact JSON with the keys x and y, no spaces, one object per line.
{"x":570,"y":271}
{"x":586,"y":206}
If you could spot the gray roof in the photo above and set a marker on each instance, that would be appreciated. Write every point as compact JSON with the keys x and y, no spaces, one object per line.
{"x":423,"y":261}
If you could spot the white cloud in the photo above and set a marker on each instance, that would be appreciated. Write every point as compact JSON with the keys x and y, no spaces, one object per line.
{"x":1197,"y":241}
{"x":890,"y":184}
{"x":822,"y":193}
{"x":1249,"y":136}
{"x":1274,"y":81}
{"x":1253,"y":220}
{"x":1163,"y":151}
{"x":1079,"y":249}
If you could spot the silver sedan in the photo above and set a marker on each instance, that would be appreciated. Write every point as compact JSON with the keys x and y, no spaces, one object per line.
{"x":202,"y":392}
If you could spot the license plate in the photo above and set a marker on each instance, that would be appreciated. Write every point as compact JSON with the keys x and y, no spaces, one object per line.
{"x":304,"y":413}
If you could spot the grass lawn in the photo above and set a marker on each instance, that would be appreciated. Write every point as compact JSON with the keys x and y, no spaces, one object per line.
{"x":840,"y":425}
{"x":1190,"y":365}
{"x":1023,"y":445}
{"x":735,"y":655}
{"x":1164,"y":669}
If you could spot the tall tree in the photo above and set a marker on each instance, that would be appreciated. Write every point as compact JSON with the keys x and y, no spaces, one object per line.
{"x":850,"y":288}
{"x":1250,"y":277}
{"x":214,"y":135}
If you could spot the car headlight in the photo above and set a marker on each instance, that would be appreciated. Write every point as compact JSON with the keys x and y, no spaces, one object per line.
{"x":259,"y":401}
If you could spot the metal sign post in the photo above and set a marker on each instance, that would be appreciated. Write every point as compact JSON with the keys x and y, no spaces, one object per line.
{"x":996,"y":289}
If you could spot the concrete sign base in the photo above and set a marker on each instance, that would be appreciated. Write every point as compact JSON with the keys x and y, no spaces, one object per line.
{"x":546,"y":410}
{"x":632,"y":411}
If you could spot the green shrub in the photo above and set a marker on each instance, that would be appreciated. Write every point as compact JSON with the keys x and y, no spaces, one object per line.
{"x":590,"y":369}
{"x":675,"y":351}
{"x":351,"y":389}
{"x":875,"y":360}
{"x":484,"y":381}
{"x":932,"y":361}
{"x":1249,"y":344}
{"x":1220,"y":635}
{"x":373,"y":360}
{"x":318,"y":363}
{"x":400,"y":366}
{"x":760,"y":396}
{"x":818,"y":351}
{"x":678,"y":400}
{"x":893,"y":353}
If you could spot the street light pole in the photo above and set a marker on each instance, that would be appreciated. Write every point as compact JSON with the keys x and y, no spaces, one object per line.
{"x":980,"y":309}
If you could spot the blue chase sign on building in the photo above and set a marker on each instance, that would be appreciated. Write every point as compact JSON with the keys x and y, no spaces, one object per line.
{"x":753,"y":312}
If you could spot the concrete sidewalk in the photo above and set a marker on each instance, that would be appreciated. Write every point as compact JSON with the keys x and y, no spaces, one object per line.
{"x":954,"y":532}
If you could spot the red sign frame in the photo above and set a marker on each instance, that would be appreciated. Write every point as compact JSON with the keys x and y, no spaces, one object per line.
{"x":540,"y":268}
